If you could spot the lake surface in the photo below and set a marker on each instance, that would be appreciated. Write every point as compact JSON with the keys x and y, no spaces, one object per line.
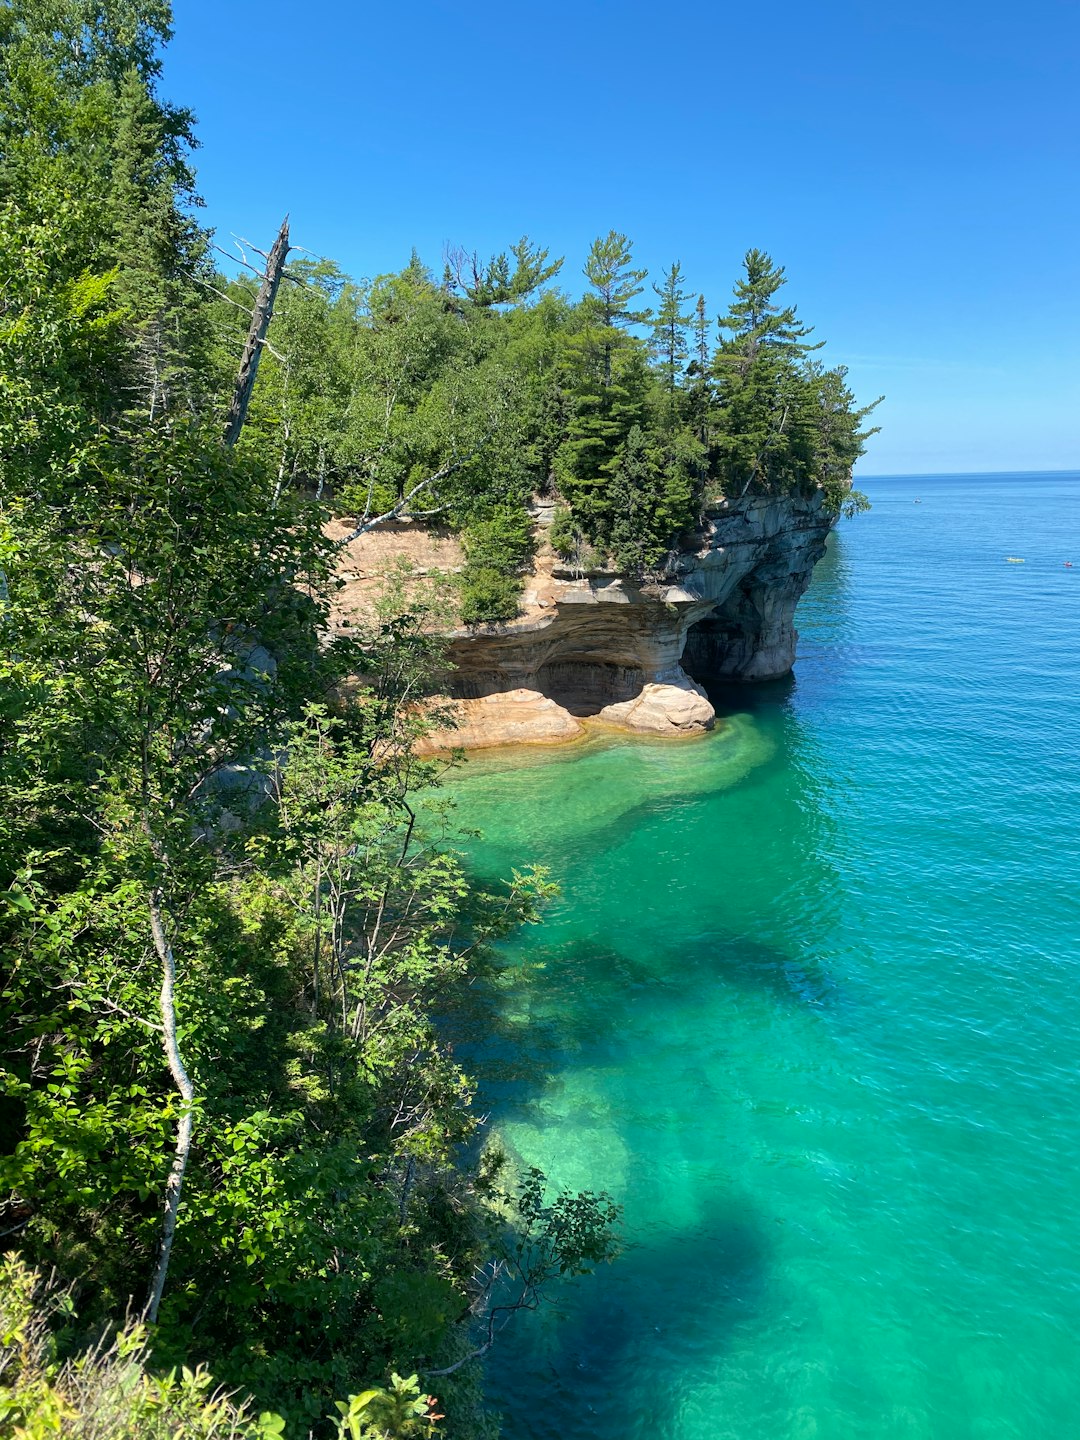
{"x":809,"y":1009}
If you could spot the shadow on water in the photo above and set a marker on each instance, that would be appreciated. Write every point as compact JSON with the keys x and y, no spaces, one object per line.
{"x":521,"y":1047}
{"x":601,"y":1048}
{"x":649,"y":1312}
{"x":747,"y":964}
{"x":678,"y":975}
{"x":757,"y":697}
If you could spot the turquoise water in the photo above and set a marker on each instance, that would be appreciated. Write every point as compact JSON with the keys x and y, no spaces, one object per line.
{"x":809,"y":1008}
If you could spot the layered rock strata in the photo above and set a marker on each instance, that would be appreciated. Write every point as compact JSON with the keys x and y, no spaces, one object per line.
{"x":605,"y":649}
{"x":602,"y":649}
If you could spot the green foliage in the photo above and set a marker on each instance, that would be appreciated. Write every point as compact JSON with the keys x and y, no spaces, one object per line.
{"x":398,"y":1412}
{"x":158,"y":250}
{"x":614,"y":282}
{"x":569,"y":1235}
{"x":652,"y":499}
{"x":604,"y":415}
{"x":108,"y":1390}
{"x":496,"y":550}
{"x":163,"y":604}
{"x":669,"y":330}
{"x":402,"y":398}
{"x":488,"y":595}
{"x":564,"y":534}
{"x":496,"y":283}
{"x":754,"y":318}
{"x":840,"y":437}
{"x":230,"y":906}
{"x":784,"y":424}
{"x":90,"y":153}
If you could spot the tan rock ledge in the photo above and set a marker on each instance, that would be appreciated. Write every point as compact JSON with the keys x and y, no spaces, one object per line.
{"x":663,"y":709}
{"x":608,"y":650}
{"x":511,"y":717}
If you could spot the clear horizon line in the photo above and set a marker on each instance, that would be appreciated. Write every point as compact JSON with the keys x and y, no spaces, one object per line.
{"x":948,"y":474}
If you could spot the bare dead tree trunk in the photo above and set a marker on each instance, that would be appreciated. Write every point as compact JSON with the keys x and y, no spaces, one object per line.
{"x":253,"y":347}
{"x":182,"y":1080}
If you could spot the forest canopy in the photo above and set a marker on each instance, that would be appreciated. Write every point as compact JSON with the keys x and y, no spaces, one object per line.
{"x":461,"y":397}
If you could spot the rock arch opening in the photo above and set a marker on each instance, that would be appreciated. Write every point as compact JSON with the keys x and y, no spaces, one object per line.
{"x":583,"y":685}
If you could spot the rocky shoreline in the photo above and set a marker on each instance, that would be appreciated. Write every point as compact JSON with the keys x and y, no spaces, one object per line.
{"x":601,"y":649}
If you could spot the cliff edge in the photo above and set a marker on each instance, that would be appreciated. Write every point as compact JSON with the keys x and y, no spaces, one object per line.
{"x":599,"y":648}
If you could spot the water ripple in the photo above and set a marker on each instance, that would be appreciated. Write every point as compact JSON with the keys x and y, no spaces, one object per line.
{"x":808,"y":1007}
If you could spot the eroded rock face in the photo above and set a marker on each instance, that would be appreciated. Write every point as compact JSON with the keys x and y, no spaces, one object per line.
{"x":755,"y":560}
{"x":508,"y":717}
{"x":604,"y":647}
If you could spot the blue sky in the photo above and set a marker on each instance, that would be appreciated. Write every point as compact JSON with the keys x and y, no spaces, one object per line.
{"x":916,"y":168}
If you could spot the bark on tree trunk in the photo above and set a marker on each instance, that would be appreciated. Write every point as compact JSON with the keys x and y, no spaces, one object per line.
{"x":182,"y":1080}
{"x":260,"y":322}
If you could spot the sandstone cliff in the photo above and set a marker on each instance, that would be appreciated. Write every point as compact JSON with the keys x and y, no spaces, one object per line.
{"x":603,"y":649}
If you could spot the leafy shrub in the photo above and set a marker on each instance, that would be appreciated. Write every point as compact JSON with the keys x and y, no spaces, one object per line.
{"x":106,"y":1392}
{"x":496,"y":550}
{"x":841,"y":499}
{"x":487,"y":595}
{"x":565,"y":534}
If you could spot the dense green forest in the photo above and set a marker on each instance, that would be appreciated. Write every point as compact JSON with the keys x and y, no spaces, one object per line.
{"x":235,"y":926}
{"x":464,"y":397}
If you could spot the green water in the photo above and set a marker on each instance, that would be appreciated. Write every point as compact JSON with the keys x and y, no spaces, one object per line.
{"x":808,"y":1007}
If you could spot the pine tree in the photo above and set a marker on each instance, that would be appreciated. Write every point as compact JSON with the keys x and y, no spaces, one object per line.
{"x":840,"y":437}
{"x":761,"y":386}
{"x":615,"y":284}
{"x":669,"y":331}
{"x":603,"y":417}
{"x":699,"y":396}
{"x":701,"y":334}
{"x":651,"y":493}
{"x":608,"y":377}
{"x":755,"y":320}
{"x":532,"y":270}
{"x":158,"y":249}
{"x":633,"y":489}
{"x":496,"y":283}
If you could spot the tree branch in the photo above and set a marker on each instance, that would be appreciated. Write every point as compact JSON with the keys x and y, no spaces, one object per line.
{"x":369,"y":522}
